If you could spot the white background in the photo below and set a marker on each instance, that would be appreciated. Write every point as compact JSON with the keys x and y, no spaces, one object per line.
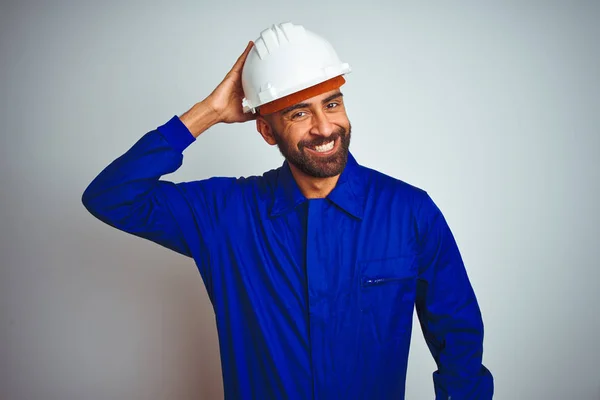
{"x":491,"y":108}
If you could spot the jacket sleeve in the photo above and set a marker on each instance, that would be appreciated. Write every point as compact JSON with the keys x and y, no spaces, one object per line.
{"x":130,"y":196}
{"x":448,"y":311}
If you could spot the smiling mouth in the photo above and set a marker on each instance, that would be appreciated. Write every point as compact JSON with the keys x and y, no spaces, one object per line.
{"x":323,"y":148}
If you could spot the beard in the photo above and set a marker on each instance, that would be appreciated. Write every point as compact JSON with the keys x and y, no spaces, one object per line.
{"x":312,"y":165}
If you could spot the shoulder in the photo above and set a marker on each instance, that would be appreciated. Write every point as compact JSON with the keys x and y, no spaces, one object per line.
{"x":378,"y":183}
{"x":386,"y":190}
{"x":231,"y":187}
{"x":229,"y":183}
{"x":260,"y":184}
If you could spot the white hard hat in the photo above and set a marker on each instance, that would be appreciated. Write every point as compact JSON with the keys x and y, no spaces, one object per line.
{"x":285,"y":59}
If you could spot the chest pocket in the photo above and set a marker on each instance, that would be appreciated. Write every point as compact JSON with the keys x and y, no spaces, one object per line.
{"x":388,"y":286}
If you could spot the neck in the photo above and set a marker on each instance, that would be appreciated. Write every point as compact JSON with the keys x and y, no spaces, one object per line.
{"x":311,"y":187}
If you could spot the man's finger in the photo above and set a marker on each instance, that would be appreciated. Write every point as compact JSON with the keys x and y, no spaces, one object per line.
{"x":240,"y":61}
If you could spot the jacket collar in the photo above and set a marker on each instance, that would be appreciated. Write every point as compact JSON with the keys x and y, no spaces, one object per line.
{"x":348,"y":194}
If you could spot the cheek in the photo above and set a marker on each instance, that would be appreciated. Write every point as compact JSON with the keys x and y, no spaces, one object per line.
{"x":294,"y":135}
{"x":341,"y":119}
{"x":287,"y":143}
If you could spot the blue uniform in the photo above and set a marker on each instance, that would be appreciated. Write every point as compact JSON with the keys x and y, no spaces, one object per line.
{"x":313,"y":298}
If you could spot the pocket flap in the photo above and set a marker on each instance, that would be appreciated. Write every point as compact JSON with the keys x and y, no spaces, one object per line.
{"x":377,"y":272}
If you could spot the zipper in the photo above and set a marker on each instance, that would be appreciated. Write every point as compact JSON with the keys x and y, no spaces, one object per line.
{"x":380,"y":281}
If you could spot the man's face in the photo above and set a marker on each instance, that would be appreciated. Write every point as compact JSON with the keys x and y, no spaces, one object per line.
{"x":313,"y":136}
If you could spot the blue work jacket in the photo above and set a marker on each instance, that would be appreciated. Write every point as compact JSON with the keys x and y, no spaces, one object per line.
{"x":313,"y":298}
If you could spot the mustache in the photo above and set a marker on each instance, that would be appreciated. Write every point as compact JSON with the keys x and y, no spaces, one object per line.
{"x":341,"y":132}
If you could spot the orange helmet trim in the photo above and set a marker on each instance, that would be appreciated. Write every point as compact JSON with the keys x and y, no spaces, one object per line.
{"x":297,"y":97}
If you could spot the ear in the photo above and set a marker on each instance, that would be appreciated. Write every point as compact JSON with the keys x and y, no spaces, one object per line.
{"x":264,"y":128}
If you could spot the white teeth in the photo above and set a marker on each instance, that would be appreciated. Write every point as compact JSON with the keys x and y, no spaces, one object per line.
{"x":325,"y":147}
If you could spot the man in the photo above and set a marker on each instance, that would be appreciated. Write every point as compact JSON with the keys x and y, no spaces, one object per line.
{"x":314,"y":268}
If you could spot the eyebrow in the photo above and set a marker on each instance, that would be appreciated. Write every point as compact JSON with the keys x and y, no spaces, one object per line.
{"x":305,"y":105}
{"x":333,"y":96}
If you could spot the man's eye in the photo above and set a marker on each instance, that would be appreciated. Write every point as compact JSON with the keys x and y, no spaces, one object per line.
{"x":332,"y":105}
{"x":298,"y":114}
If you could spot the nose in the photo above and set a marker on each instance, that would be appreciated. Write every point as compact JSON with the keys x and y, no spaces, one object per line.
{"x":321,"y":126}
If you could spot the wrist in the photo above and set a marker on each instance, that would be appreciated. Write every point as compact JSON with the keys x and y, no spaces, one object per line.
{"x":199,"y":118}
